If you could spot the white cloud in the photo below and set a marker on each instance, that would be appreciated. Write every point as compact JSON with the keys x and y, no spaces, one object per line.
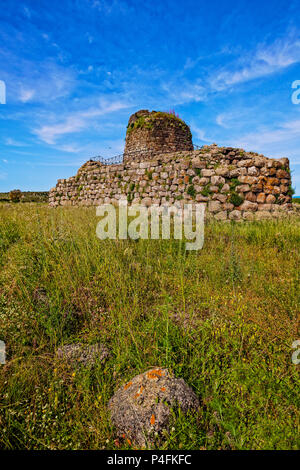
{"x":70,"y":148}
{"x":223,"y":119}
{"x":14,"y":143}
{"x":200,"y":134}
{"x":180,"y":92}
{"x":44,"y":84}
{"x":266,"y":60}
{"x":234,"y":118}
{"x":50,"y":133}
{"x":76,"y":122}
{"x":283,"y":132}
{"x":27,"y":12}
{"x":26,"y":95}
{"x":263,"y":61}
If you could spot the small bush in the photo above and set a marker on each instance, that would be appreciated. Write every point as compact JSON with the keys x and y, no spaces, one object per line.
{"x":206,"y":191}
{"x":15,"y":195}
{"x":191,"y":191}
{"x":236,"y":199}
{"x":234,"y":183}
{"x":291,"y":191}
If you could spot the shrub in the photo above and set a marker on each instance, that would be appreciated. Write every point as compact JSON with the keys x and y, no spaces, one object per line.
{"x":191,"y":191}
{"x":15,"y":195}
{"x":291,"y":191}
{"x":149,"y":174}
{"x":234,"y":183}
{"x":206,"y":191}
{"x":236,"y":199}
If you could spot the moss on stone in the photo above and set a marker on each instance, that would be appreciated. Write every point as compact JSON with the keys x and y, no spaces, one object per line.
{"x":147,"y":122}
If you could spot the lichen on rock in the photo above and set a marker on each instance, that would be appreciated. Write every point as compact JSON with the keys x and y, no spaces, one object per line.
{"x":142,"y":408}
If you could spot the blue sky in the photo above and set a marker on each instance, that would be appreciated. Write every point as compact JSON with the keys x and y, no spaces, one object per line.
{"x":76,"y":69}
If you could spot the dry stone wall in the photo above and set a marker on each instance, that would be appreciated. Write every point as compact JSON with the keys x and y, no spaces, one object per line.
{"x":233,"y":183}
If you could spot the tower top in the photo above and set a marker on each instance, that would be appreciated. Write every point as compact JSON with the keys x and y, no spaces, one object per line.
{"x":155,"y":132}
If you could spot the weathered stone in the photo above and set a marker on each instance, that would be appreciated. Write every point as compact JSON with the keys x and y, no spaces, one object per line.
{"x":214,"y":206}
{"x":259,"y":162}
{"x":222,"y":171}
{"x":248,"y":215}
{"x":207,"y":173}
{"x":245,"y":163}
{"x":243,"y":188}
{"x":252,"y":171}
{"x":235,"y":173}
{"x":228,"y":206}
{"x":249,"y":206}
{"x":200,"y":198}
{"x":235,"y":215}
{"x":225,"y":188}
{"x":272,"y":181}
{"x":282,"y":174}
{"x":204,"y":181}
{"x":261,"y":197}
{"x":248,"y":179}
{"x":216,"y":180}
{"x":219,"y":197}
{"x":264,"y":207}
{"x":143,"y":406}
{"x":83,"y":354}
{"x":250,"y":197}
{"x":221,"y":215}
{"x":270,"y":199}
{"x":256,"y":188}
{"x":145,"y":164}
{"x":197,"y":163}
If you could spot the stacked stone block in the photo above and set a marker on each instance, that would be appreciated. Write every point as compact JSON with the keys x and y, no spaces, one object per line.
{"x":233,"y":183}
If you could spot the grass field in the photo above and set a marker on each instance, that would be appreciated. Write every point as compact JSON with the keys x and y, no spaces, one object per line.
{"x":223,"y":318}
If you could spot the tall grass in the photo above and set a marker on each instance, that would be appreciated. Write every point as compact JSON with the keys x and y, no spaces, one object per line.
{"x":223,"y":318}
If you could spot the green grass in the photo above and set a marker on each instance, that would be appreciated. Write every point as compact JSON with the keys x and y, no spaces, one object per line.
{"x":223,"y":318}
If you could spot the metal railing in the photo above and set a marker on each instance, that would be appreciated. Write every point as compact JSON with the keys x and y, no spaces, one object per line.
{"x":118,"y":159}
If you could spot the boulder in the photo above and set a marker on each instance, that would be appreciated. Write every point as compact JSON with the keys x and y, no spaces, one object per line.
{"x":141,"y":409}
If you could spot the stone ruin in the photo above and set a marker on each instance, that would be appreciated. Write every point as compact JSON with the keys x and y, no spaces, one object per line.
{"x":156,"y":132}
{"x":160,"y":166}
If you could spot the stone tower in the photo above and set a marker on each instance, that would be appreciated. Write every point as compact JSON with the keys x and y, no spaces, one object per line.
{"x":150,"y":133}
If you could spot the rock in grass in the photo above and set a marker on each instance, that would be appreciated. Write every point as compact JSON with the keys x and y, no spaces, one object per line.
{"x":83,"y":354}
{"x":143,"y":406}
